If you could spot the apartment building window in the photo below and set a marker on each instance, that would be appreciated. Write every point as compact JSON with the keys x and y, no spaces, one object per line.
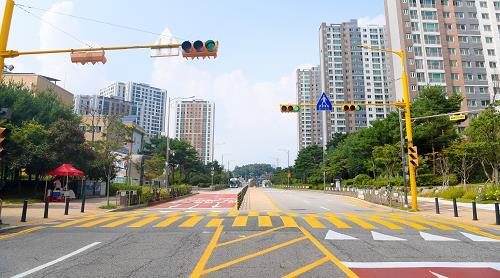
{"x":452,"y":51}
{"x":450,"y":38}
{"x":462,"y":27}
{"x":481,"y":77}
{"x":459,"y":15}
{"x":487,"y":28}
{"x":485,"y":16}
{"x":469,"y":89}
{"x":483,"y":4}
{"x":471,"y":103}
{"x":474,"y":27}
{"x":491,"y":52}
{"x":436,"y":77}
{"x":485,"y":103}
{"x":448,"y":26}
{"x":478,"y":51}
{"x":457,"y":3}
{"x":467,"y":64}
{"x":480,"y":64}
{"x":475,"y":39}
{"x":464,"y":51}
{"x":483,"y":90}
{"x":472,"y":15}
{"x":455,"y":76}
{"x":457,"y":89}
{"x":430,"y":27}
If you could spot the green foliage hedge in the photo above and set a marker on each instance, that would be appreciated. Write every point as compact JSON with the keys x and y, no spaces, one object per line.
{"x":146,"y":192}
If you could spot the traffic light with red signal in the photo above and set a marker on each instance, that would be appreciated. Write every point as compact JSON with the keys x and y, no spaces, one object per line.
{"x":289,"y":108}
{"x":199,"y":49}
{"x":351,"y":108}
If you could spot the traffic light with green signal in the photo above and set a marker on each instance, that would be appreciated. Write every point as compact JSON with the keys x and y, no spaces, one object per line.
{"x":289,"y":108}
{"x":199,"y":49}
{"x":351,"y":108}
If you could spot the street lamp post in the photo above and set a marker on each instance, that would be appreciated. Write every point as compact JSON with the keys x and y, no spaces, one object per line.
{"x":167,"y":169}
{"x":409,"y":132}
{"x":288,"y":164}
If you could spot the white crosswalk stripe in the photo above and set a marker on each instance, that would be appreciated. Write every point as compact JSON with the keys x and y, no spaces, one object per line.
{"x":431,"y":237}
{"x":381,"y":236}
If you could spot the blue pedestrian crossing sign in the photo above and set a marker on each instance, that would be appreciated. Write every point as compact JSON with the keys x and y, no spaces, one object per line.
{"x":324,"y":103}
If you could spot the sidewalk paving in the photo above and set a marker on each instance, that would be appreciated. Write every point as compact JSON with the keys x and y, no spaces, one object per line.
{"x":11,"y":213}
{"x":257,"y":200}
{"x":459,"y":204}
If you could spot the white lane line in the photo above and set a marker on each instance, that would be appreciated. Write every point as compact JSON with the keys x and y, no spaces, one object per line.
{"x":494,"y":265}
{"x":325,"y":208}
{"x":38,"y":268}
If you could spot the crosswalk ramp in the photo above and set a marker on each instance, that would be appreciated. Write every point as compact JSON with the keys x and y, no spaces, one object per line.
{"x":235,"y":219}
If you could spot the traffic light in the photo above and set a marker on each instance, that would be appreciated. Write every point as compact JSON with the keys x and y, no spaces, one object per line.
{"x":3,"y":133}
{"x":351,"y":108}
{"x":289,"y":108}
{"x":88,"y":57}
{"x":413,"y":155}
{"x":199,"y":49}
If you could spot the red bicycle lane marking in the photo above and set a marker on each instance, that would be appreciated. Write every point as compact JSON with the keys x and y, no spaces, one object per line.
{"x":203,"y":201}
{"x":431,"y":272}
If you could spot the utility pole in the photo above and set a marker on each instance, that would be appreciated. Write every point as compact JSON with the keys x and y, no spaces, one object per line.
{"x":288,"y":163}
{"x":403,"y":160}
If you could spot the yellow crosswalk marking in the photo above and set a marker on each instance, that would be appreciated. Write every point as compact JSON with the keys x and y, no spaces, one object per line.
{"x":233,"y":213}
{"x":313,"y":222}
{"x":361,"y":223}
{"x":143,"y":222}
{"x":98,"y":221}
{"x":330,"y":214}
{"x":340,"y":224}
{"x":312,"y":215}
{"x":265,"y":221}
{"x":388,"y":224}
{"x":272,"y":213}
{"x":215,"y":222}
{"x":253,"y":213}
{"x":432,"y":224}
{"x":193,"y":214}
{"x":77,"y":221}
{"x":409,"y":223}
{"x":288,"y":221}
{"x":240,"y":221}
{"x":120,"y":222}
{"x":191,"y":222}
{"x":292,"y":214}
{"x":213,"y":214}
{"x":167,"y":222}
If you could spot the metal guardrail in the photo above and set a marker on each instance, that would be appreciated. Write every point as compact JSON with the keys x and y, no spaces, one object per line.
{"x":241,"y":196}
{"x":1,"y":204}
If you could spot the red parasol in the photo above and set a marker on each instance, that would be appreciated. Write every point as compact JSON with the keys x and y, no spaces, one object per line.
{"x":66,"y":170}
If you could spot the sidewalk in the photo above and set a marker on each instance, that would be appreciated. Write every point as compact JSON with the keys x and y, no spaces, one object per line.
{"x":257,"y":200}
{"x":485,"y":212}
{"x":11,"y":213}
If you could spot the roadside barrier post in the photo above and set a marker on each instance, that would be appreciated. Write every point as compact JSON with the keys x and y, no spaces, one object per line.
{"x":455,"y":209}
{"x":82,"y":210}
{"x":474,"y":210}
{"x":66,"y":207}
{"x":1,"y":203}
{"x":46,"y":209}
{"x":497,"y":213}
{"x":436,"y":200}
{"x":25,"y":209}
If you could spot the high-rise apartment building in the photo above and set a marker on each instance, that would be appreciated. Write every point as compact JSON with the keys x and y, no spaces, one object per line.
{"x":350,"y":74}
{"x":309,"y":125}
{"x":194,"y":123}
{"x":150,"y":103}
{"x":453,"y":44}
{"x":89,"y":104}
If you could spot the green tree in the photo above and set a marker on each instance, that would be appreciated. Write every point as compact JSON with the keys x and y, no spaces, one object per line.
{"x":253,"y":170}
{"x":484,"y":134}
{"x":309,"y":161}
{"x":462,"y":156}
{"x":154,"y":167}
{"x":388,"y":157}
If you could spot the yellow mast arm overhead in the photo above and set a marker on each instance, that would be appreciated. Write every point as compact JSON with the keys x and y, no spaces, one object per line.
{"x":360,"y":104}
{"x":15,"y":53}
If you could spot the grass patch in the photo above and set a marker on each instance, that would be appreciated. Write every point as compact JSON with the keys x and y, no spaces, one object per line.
{"x":17,"y":201}
{"x":110,"y":206}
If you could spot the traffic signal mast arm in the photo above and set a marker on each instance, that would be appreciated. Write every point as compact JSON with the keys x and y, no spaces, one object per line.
{"x":360,"y":104}
{"x":15,"y":53}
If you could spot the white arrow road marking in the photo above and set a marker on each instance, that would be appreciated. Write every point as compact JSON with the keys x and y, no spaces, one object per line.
{"x":331,"y":235}
{"x":438,"y":275}
{"x":431,"y":237}
{"x":38,"y":268}
{"x":479,"y":238}
{"x":380,"y":236}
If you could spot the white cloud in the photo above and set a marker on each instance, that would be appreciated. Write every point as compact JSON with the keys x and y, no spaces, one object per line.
{"x":247,"y":116}
{"x":377,"y":20}
{"x":74,"y":77}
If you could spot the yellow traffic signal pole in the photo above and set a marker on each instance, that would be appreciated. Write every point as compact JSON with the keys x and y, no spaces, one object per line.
{"x":4,"y":32}
{"x":409,"y":132}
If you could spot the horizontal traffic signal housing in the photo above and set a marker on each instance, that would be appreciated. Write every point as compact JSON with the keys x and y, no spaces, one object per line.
{"x":199,"y":49}
{"x":351,"y":108}
{"x":413,"y":155}
{"x":289,"y":108}
{"x":84,"y":57}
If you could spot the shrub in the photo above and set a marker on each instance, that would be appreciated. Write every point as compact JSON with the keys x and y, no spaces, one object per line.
{"x":491,"y":192}
{"x":348,"y":182}
{"x":361,"y":180}
{"x":470,"y":194}
{"x":452,"y":192}
{"x":428,"y":180}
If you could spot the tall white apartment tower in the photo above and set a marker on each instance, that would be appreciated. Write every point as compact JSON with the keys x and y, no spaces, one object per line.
{"x":309,"y":124}
{"x":194,"y":123}
{"x":150,"y":102}
{"x":350,"y":74}
{"x":453,"y":44}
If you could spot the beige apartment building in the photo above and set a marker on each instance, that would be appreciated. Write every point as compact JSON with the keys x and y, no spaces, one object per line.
{"x":41,"y":83}
{"x":194,"y":123}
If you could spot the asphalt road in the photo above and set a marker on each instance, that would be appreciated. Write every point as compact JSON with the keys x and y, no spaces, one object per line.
{"x":311,"y":234}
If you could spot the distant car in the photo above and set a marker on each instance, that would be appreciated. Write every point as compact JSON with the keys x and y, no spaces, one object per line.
{"x":234,"y":183}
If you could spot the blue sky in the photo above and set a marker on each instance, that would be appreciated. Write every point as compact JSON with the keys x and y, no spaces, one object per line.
{"x":261,"y":44}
